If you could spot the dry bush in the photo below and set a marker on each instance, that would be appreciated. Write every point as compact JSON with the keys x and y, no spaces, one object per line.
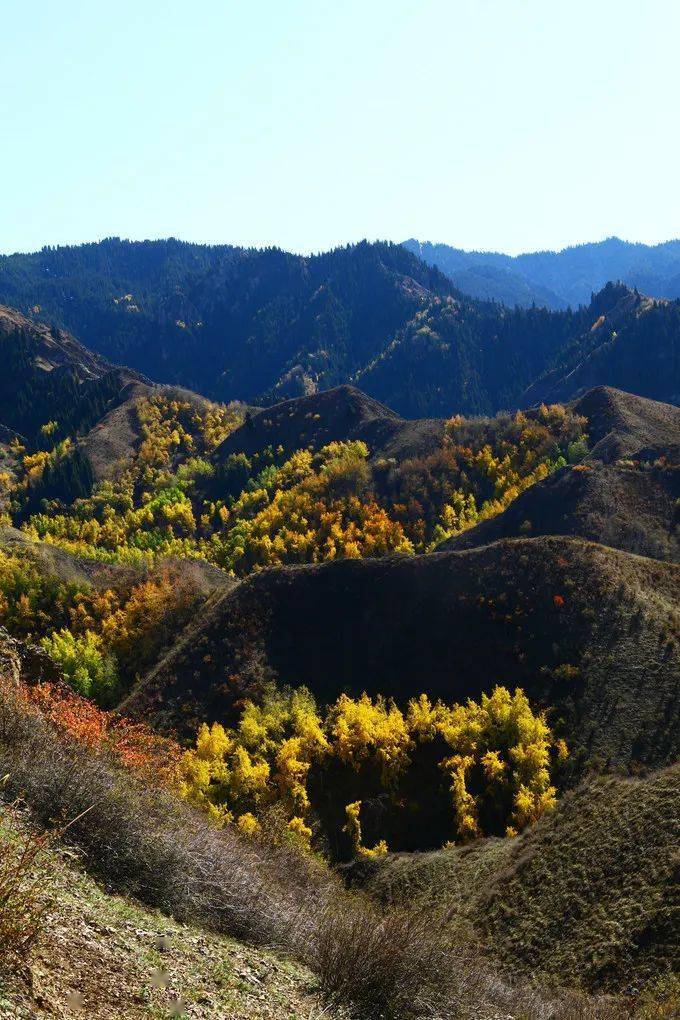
{"x":21,"y":909}
{"x":404,"y":965}
{"x":144,"y":841}
{"x":398,"y":965}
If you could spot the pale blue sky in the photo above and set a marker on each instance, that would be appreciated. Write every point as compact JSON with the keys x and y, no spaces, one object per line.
{"x":506,"y":124}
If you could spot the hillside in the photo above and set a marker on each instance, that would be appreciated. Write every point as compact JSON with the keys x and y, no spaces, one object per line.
{"x":341,"y":414}
{"x":264,"y":326}
{"x":623,"y":424}
{"x":479,"y":359}
{"x":103,"y":955}
{"x":135,"y":906}
{"x":616,"y":352}
{"x":51,"y":348}
{"x":69,"y":568}
{"x":48,"y":376}
{"x":228,"y":322}
{"x":561,"y":278}
{"x":488,"y":282}
{"x":112,"y":443}
{"x":632,"y":507}
{"x":624,"y":494}
{"x":590,"y":894}
{"x":589,"y":631}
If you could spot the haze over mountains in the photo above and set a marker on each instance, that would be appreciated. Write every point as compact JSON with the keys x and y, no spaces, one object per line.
{"x":557,"y":279}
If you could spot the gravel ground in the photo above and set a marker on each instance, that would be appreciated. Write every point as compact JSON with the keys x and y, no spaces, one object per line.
{"x":102,"y":957}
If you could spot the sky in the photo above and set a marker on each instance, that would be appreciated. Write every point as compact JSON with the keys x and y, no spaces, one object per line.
{"x":511,"y":125}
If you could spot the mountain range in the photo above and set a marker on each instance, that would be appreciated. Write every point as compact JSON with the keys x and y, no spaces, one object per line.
{"x":253,"y":503}
{"x":260,"y":326}
{"x":557,"y":279}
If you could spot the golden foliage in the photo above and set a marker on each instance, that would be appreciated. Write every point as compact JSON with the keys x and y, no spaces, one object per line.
{"x":495,"y":754}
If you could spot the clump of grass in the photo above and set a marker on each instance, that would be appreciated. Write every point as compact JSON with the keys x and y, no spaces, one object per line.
{"x":395,"y":964}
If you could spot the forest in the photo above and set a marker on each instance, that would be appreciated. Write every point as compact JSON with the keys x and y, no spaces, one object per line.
{"x":284,"y":761}
{"x":263,"y":325}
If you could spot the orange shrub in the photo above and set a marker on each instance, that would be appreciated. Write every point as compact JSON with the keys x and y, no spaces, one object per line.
{"x":135,"y":746}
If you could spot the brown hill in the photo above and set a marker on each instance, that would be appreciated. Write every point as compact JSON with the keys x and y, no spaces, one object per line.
{"x":632,"y":507}
{"x":625,"y":494}
{"x":339,"y":414}
{"x":591,"y":631}
{"x":622,"y":424}
{"x":117,"y":435}
{"x":55,"y":562}
{"x":590,"y":894}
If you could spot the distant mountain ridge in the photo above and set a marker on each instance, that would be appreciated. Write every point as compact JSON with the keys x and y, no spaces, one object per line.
{"x":265,"y":326}
{"x":229,"y":322}
{"x":557,"y":279}
{"x":476,"y":358}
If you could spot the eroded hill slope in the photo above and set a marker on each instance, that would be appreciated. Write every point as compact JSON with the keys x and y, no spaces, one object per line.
{"x":589,"y":894}
{"x":588,"y":631}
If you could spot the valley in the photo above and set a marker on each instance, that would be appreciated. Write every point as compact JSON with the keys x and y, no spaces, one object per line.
{"x":346,"y":617}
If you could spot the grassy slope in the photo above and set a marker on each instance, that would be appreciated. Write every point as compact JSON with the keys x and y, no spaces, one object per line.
{"x":627,"y":507}
{"x":590,"y":895}
{"x":634,"y":507}
{"x":105,"y":948}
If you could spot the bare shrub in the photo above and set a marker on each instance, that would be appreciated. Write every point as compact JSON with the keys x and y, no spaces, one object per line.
{"x":396,"y":965}
{"x":21,"y":909}
{"x":145,"y":842}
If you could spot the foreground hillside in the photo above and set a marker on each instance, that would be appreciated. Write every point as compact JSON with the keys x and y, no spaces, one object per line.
{"x":96,"y":951}
{"x":590,"y":893}
{"x":101,"y":955}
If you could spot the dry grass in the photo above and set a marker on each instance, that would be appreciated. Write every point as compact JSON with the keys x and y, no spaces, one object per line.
{"x":400,"y":965}
{"x":146,"y":843}
{"x":395,"y":965}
